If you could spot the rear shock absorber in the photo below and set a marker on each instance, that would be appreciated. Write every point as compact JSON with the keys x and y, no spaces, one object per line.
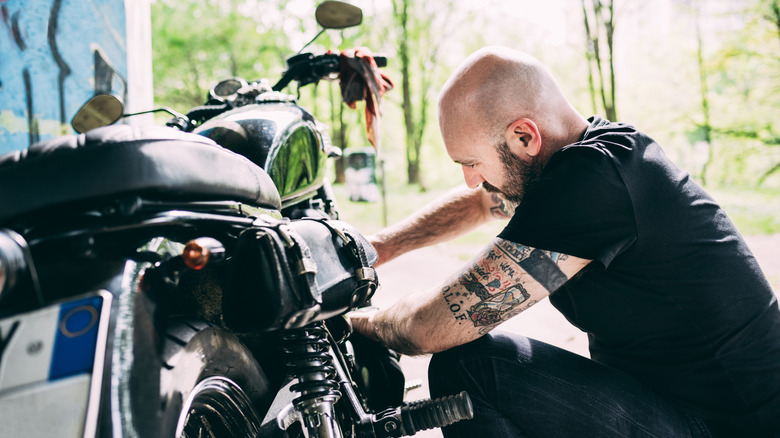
{"x":310,"y":361}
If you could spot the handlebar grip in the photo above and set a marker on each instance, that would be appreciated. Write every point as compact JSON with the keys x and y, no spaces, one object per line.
{"x":429,"y":414}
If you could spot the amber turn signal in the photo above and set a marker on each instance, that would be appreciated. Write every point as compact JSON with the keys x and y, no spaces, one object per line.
{"x":199,"y":252}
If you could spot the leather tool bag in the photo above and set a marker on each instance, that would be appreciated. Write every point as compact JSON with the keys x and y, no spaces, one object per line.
{"x":286,"y":274}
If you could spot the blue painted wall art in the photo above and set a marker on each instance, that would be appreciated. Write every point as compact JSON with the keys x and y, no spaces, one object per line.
{"x":54,"y":55}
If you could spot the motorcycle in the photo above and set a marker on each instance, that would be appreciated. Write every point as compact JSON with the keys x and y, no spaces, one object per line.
{"x":193,"y":280}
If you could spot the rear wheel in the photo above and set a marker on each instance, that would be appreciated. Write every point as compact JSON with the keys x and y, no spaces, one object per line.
{"x":210,"y":383}
{"x":217,"y":407}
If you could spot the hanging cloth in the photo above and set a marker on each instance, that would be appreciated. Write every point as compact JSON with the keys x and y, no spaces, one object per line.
{"x":361,"y":79}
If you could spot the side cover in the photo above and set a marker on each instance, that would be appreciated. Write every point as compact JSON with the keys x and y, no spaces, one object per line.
{"x":286,"y":274}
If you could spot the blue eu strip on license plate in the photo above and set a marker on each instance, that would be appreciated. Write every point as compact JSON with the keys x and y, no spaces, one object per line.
{"x":49,"y":344}
{"x":51,"y":363}
{"x":74,"y":344}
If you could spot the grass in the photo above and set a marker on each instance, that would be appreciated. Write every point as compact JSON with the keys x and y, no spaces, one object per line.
{"x":755,"y":211}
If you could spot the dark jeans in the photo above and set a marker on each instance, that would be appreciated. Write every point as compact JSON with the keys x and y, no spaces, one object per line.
{"x":521,"y":387}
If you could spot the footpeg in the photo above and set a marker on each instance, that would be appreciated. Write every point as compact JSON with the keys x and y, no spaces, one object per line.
{"x":420,"y":415}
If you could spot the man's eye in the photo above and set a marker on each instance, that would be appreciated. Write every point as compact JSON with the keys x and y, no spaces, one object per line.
{"x":470,"y":166}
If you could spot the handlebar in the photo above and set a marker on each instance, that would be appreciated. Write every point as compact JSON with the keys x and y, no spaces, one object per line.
{"x":305,"y":69}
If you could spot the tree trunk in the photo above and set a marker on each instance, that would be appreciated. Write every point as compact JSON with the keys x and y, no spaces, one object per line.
{"x":412,"y":150}
{"x":605,"y":25}
{"x":337,"y":132}
{"x":589,"y":59}
{"x":610,"y":30}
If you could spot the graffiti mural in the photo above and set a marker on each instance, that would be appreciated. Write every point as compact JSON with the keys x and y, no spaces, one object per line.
{"x":54,"y":55}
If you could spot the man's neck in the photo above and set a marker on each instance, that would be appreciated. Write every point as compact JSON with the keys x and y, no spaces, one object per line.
{"x":572,"y":130}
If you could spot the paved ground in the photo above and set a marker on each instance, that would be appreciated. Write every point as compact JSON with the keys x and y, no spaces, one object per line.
{"x":430,"y":266}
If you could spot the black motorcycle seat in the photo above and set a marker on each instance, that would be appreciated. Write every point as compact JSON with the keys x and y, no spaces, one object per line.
{"x":118,"y":160}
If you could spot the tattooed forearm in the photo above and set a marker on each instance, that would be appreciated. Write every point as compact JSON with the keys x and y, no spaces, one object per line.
{"x":493,"y":292}
{"x":454,"y":300}
{"x":540,"y":265}
{"x":506,"y":279}
{"x":498,"y":307}
{"x":493,"y":307}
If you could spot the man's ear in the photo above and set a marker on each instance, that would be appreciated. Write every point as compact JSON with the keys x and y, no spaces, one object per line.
{"x":523,"y":138}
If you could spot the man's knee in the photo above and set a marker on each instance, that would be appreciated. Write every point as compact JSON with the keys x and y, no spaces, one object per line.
{"x":460,"y":366}
{"x":444,"y":361}
{"x":492,"y":345}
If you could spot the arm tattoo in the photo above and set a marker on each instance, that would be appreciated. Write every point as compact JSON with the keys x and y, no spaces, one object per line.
{"x":500,"y":209}
{"x":541,"y":265}
{"x":496,"y":281}
{"x":498,"y":307}
{"x":472,"y":284}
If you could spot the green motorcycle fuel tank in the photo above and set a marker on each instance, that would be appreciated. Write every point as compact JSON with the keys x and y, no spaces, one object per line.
{"x":280,"y":137}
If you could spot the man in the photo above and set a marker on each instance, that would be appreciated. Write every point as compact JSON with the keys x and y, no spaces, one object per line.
{"x":684,"y":329}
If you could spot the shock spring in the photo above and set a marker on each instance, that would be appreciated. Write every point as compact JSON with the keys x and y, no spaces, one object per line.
{"x":309,"y":359}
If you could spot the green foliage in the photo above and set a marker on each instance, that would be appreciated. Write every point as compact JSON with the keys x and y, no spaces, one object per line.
{"x":197,"y":42}
{"x":746,"y":99}
{"x":754,"y":211}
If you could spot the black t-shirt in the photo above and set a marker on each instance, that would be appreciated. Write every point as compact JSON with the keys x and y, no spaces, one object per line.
{"x":674,"y":296}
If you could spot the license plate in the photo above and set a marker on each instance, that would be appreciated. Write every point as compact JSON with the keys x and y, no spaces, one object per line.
{"x":47,"y":359}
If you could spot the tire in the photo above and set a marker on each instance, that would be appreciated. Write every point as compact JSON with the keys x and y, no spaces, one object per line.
{"x":211,"y":386}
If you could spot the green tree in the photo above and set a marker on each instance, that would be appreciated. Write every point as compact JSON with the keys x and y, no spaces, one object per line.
{"x":599,"y":20}
{"x":419,"y":38}
{"x":745,"y":103}
{"x":705,"y":128}
{"x":198,"y":42}
{"x":771,"y":13}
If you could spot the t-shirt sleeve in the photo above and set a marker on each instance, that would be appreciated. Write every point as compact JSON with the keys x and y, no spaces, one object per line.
{"x":580,"y":207}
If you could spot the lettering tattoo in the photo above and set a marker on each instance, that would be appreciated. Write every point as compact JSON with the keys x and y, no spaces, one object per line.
{"x":454,"y":301}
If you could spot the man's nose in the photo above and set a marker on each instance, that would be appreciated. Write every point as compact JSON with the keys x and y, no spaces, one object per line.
{"x":473,"y":178}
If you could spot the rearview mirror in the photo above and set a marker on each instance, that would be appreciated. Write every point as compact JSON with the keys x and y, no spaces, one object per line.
{"x":100,"y":110}
{"x":332,"y":14}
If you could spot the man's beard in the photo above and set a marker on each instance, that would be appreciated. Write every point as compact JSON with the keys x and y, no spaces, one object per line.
{"x":519,"y":176}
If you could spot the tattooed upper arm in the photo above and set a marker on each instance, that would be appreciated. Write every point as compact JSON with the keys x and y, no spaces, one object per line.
{"x":504,"y":280}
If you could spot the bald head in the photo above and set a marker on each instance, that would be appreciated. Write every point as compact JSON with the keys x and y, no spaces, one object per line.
{"x":496,"y":86}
